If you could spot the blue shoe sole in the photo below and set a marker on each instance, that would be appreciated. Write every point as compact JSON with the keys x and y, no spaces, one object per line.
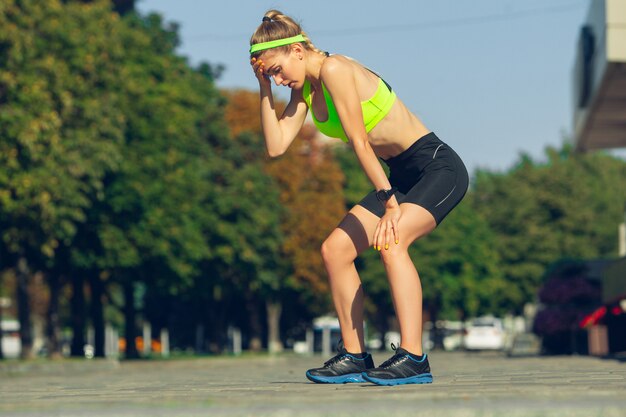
{"x":341,"y":379}
{"x":418,"y":379}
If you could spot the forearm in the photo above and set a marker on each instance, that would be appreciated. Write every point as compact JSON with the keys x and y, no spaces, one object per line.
{"x":373,"y":169}
{"x":269,"y":123}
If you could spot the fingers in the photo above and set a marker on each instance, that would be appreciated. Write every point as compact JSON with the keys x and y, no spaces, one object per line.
{"x":376,"y":236}
{"x":396,"y":231}
{"x":258,"y":66}
{"x":386,"y":233}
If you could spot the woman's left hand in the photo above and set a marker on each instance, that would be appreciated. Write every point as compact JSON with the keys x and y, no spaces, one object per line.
{"x":387,"y":229}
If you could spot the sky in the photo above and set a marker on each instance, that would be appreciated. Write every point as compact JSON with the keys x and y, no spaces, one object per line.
{"x":492,"y":78}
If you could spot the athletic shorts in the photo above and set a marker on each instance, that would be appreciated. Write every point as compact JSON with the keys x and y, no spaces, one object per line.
{"x":429,"y":173}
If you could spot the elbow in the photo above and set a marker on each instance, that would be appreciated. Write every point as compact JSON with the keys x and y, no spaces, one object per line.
{"x":274,"y":147}
{"x":359,"y":144}
{"x":275,"y":153}
{"x":277,"y":148}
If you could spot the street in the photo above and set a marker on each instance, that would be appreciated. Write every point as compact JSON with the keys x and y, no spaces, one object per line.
{"x":466,"y":384}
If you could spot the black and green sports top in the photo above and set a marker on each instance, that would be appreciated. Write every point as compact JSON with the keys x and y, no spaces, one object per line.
{"x":374,"y":109}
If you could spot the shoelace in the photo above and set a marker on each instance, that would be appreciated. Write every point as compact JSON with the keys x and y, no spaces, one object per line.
{"x":394,"y":359}
{"x":334,"y":360}
{"x":338,"y":357}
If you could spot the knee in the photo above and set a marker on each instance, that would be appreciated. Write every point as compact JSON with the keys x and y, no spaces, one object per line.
{"x":395,"y":252}
{"x":336,"y":249}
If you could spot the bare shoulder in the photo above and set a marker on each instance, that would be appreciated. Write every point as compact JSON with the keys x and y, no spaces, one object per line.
{"x":336,"y":65}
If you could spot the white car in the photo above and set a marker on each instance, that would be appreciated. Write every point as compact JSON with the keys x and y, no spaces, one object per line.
{"x":484,"y":333}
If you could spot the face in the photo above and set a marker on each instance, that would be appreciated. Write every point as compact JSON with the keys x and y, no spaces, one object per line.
{"x":286,"y":69}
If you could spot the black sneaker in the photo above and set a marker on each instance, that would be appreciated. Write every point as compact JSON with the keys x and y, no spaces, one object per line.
{"x":341,"y":369}
{"x":401,"y":368}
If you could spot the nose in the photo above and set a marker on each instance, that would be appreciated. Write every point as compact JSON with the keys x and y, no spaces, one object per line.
{"x":278,"y":80}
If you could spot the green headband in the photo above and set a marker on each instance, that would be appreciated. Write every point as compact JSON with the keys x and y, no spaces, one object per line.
{"x":275,"y":44}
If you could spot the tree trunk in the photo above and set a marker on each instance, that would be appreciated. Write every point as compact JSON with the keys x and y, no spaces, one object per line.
{"x":129,"y":315}
{"x":433,"y":308}
{"x":382,"y":325}
{"x":274,"y":310}
{"x":23,"y":308}
{"x":256,"y":328}
{"x":214,"y":320}
{"x":97,"y":312}
{"x":53,"y":327}
{"x":77,"y":306}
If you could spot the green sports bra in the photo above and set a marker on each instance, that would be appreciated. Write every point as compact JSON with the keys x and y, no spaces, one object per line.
{"x":374,"y":109}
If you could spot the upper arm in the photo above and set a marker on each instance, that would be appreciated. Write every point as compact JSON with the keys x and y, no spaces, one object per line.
{"x":338,"y":77}
{"x":293,"y":116}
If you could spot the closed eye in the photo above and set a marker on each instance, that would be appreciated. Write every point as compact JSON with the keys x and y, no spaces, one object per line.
{"x":274,"y":71}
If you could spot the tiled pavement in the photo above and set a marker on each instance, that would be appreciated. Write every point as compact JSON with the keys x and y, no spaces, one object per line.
{"x":466,"y":385}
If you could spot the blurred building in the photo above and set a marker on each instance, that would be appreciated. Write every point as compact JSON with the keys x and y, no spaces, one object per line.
{"x":599,"y":78}
{"x":599,"y":93}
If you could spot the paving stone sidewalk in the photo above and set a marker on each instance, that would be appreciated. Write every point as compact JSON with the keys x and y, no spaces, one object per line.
{"x":466,"y":385}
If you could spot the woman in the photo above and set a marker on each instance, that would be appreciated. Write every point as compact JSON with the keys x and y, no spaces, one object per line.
{"x":427,"y":179}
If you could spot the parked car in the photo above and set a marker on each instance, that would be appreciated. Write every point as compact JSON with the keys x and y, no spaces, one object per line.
{"x":484,"y":333}
{"x":452,"y":335}
{"x":11,"y":342}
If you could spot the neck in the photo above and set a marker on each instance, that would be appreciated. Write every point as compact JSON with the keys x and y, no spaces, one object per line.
{"x":314,"y":67}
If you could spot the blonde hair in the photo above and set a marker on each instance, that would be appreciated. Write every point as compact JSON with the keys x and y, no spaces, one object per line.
{"x":275,"y":26}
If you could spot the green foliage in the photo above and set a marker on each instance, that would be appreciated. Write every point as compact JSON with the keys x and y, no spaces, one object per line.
{"x":308,"y":178}
{"x":114,"y":147}
{"x":60,"y":119}
{"x":157,"y":195}
{"x":459,"y":267}
{"x":118,"y":158}
{"x":246,"y":236}
{"x":566,"y":207}
{"x":357,"y":185}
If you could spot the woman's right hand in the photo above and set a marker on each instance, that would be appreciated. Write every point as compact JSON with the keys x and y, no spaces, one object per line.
{"x":259,"y":71}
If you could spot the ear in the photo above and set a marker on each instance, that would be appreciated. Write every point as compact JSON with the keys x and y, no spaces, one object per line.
{"x":298,"y":50}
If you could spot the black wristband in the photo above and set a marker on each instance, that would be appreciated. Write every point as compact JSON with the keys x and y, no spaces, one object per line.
{"x":385,"y":195}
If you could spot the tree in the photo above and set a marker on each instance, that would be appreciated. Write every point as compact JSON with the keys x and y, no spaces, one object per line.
{"x":107,"y":153}
{"x":308,"y":179}
{"x":152,"y":223}
{"x":460,"y":267}
{"x":120,"y":6}
{"x":565,"y":207}
{"x":60,"y":125}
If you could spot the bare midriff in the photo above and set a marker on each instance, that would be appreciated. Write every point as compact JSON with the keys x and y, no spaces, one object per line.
{"x":396,"y":132}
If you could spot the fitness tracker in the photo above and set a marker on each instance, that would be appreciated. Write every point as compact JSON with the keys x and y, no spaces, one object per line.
{"x":385,"y":195}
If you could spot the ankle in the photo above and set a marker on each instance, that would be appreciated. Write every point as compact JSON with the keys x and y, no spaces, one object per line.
{"x":354,"y":348}
{"x":417,"y":352}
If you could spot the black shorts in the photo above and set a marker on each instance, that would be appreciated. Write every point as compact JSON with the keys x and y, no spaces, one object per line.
{"x":429,"y":173}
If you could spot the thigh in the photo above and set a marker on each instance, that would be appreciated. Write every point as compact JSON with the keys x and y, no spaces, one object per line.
{"x":442,"y":186}
{"x":416,"y":222}
{"x":356,"y":230}
{"x":359,"y":225}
